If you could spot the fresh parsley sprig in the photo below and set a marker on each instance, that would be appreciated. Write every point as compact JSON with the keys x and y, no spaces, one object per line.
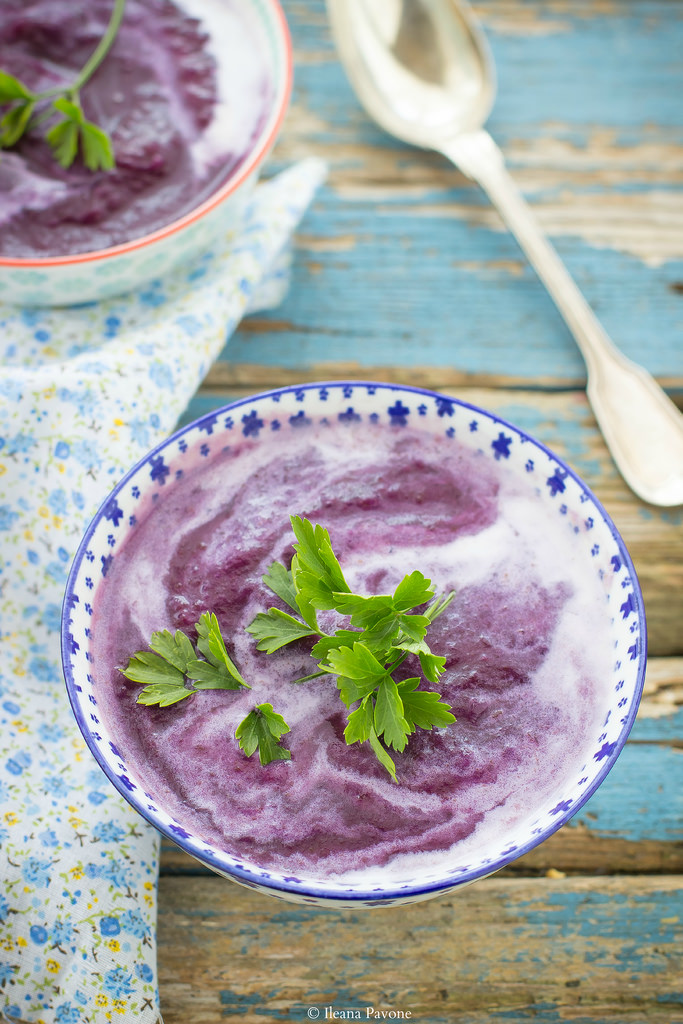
{"x":261,"y":730}
{"x":172,"y":662}
{"x":172,"y":671}
{"x":72,"y":131}
{"x":384,"y":631}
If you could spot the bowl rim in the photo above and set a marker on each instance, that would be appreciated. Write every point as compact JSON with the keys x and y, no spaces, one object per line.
{"x":303,"y":890}
{"x":255,"y":156}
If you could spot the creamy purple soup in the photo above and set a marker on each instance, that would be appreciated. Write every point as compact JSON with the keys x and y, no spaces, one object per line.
{"x":183,"y":93}
{"x":522,"y":679}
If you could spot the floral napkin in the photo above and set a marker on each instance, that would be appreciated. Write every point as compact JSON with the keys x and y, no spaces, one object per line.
{"x":84,"y":393}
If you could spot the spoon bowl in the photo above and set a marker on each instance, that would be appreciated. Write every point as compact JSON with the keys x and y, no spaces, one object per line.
{"x":423,"y":71}
{"x":420,"y":83}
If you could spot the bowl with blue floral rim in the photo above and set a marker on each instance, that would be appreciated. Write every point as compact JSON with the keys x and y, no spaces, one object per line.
{"x":572,"y":529}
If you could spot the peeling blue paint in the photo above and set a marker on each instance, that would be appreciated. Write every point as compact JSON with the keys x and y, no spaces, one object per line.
{"x":388,"y":301}
{"x":641,"y":798}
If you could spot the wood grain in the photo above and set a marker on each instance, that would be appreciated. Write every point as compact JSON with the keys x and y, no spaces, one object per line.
{"x":403,"y":262}
{"x":543,"y":949}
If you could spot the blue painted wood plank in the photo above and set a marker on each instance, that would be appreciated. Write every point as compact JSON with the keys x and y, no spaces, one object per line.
{"x":584,"y":67}
{"x":665,"y":728}
{"x":405,"y":277}
{"x":477,"y":309}
{"x":641,"y":798}
{"x":501,"y":950}
{"x":577,"y":66}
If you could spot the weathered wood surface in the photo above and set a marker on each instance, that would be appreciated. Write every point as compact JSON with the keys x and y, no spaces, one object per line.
{"x":403,"y":272}
{"x":403,"y":262}
{"x":547,"y":950}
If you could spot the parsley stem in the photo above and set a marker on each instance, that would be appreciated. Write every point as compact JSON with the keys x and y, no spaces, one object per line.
{"x":102,"y":48}
{"x":45,"y":115}
{"x":395,"y":664}
{"x":88,"y":69}
{"x":313,"y":675}
{"x":438,"y":606}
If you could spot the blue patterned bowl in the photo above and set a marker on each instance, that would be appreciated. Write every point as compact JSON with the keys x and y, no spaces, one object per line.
{"x":99,"y":274}
{"x":563,"y":498}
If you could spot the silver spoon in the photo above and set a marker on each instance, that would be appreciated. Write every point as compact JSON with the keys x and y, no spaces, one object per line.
{"x":423,"y":70}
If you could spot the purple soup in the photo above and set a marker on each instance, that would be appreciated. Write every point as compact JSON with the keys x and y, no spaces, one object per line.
{"x":183,"y":94}
{"x":523,"y":682}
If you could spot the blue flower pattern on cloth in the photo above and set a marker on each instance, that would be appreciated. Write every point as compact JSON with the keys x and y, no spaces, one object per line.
{"x":86,"y":391}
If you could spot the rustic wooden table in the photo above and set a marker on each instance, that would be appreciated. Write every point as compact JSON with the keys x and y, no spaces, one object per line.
{"x":404,"y":273}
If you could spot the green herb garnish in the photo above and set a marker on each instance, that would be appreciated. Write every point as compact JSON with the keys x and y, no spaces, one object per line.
{"x":261,"y":730}
{"x":172,"y":663}
{"x":382,"y":631}
{"x":173,"y":671}
{"x":28,"y":109}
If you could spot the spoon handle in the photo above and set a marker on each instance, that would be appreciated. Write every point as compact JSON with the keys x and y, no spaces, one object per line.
{"x":641,"y":426}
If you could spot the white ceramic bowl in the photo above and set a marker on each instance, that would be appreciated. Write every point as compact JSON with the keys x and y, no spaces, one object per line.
{"x":562,"y":497}
{"x":90,"y":276}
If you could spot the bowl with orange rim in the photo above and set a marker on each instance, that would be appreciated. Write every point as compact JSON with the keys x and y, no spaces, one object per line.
{"x":192,"y":94}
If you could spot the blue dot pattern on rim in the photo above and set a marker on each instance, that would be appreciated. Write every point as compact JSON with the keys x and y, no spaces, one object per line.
{"x":85,"y":393}
{"x":592,"y":534}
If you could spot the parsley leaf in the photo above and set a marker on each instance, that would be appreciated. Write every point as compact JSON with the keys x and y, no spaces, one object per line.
{"x":261,"y":730}
{"x":146,"y":667}
{"x":164,"y":694}
{"x":341,"y":638}
{"x":303,"y":601}
{"x":357,"y":662}
{"x":63,"y":139}
{"x":382,"y":755}
{"x":279,"y":580}
{"x":364,"y":612}
{"x":207,"y":676}
{"x":432,"y":665}
{"x":98,"y":153}
{"x":412,"y":591}
{"x":174,"y":647}
{"x":413,"y":627}
{"x":422,"y":708}
{"x":274,"y":629}
{"x":360,"y":722}
{"x":14,"y":123}
{"x":172,"y":663}
{"x":390,"y":721}
{"x":12,"y":89}
{"x":317,"y":573}
{"x":210,"y":642}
